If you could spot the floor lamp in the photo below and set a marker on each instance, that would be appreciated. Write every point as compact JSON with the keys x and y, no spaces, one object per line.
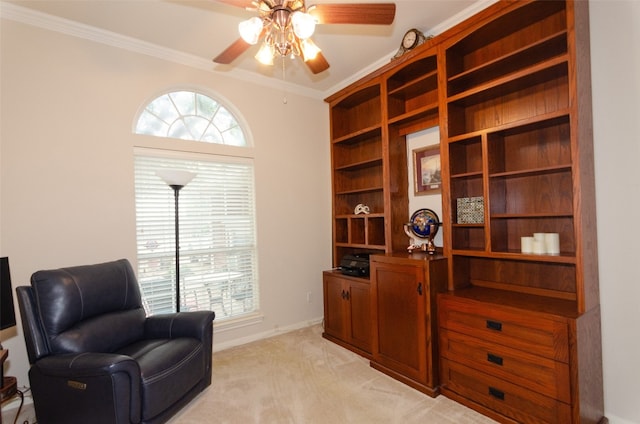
{"x":176,"y":179}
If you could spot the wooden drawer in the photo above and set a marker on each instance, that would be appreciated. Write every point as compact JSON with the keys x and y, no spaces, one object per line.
{"x":545,"y":376}
{"x":519,"y":403}
{"x":536,"y":333}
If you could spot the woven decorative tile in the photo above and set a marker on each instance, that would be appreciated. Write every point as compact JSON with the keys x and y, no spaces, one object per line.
{"x":471,"y":210}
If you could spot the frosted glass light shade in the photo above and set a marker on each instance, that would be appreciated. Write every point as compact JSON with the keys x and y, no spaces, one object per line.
{"x":265,"y":54}
{"x":303,"y":25}
{"x":250,"y":30}
{"x":176,"y":177}
{"x":309,"y":49}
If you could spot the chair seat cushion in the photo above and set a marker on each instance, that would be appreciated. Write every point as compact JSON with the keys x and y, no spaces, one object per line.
{"x":169,"y":369}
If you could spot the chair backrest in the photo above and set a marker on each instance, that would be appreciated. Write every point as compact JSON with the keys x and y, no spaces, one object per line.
{"x":91,"y":308}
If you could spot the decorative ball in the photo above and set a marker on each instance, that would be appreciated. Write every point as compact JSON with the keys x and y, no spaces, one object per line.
{"x":422,"y":221}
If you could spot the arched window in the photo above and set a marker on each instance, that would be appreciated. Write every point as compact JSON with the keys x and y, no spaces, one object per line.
{"x":190,"y":116}
{"x":218,"y":253}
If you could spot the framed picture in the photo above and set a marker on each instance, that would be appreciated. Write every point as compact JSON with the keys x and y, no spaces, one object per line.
{"x":427,"y":176}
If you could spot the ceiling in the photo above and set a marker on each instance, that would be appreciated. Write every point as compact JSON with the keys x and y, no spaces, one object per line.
{"x":200,"y":29}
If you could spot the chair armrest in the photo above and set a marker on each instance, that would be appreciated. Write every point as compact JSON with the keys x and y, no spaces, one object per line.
{"x":88,"y":365}
{"x":196,"y":324}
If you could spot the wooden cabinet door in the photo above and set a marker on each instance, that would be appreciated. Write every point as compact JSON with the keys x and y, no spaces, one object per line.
{"x":359,"y":312}
{"x":347,"y":311}
{"x":334,"y":307}
{"x":398,"y":293}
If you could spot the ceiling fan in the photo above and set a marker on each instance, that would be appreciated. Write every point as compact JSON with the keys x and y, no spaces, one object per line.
{"x":285,"y":26}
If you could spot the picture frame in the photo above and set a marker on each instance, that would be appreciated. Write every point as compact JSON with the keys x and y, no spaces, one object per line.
{"x":427,"y":175}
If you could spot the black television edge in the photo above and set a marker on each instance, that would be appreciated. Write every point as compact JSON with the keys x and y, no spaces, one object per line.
{"x":7,"y":312}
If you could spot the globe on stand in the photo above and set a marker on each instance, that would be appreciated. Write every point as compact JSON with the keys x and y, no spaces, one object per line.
{"x":423,"y":225}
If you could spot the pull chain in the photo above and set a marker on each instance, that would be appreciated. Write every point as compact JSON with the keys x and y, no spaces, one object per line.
{"x":284,"y":79}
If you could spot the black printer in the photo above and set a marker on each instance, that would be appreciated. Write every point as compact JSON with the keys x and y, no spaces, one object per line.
{"x":356,"y":265}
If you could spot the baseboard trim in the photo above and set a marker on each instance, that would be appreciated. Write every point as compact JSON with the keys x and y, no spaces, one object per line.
{"x":264,"y":335}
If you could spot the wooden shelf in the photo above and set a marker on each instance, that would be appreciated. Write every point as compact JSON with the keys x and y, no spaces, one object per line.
{"x":565,"y":258}
{"x":417,"y":85}
{"x":359,"y":135}
{"x":512,"y":82}
{"x":418,"y":113}
{"x":467,"y":175}
{"x":533,"y":171}
{"x":360,"y":190}
{"x":360,"y":165}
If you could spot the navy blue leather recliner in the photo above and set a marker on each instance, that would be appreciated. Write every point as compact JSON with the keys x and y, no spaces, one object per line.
{"x":97,"y":358}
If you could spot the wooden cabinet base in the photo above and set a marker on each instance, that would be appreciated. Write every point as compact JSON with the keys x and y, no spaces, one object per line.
{"x":433,"y":392}
{"x":347,"y":346}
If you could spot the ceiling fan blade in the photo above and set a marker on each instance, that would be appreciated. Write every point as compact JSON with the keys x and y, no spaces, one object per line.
{"x":238,"y":3}
{"x":232,"y":52}
{"x":361,"y":13}
{"x":318,"y":63}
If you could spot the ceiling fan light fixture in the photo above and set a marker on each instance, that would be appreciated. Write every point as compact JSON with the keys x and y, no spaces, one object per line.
{"x":286,"y":27}
{"x":303,"y":24}
{"x":309,"y":49}
{"x":265,"y":54}
{"x":251,"y":29}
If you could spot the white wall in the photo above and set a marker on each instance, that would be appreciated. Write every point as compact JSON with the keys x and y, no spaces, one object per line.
{"x":615,"y":65}
{"x":66,"y":174}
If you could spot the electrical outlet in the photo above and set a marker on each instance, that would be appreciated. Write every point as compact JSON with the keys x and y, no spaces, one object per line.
{"x":308,"y":297}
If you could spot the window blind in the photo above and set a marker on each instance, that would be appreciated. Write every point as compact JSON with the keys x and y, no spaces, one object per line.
{"x":218,"y":269}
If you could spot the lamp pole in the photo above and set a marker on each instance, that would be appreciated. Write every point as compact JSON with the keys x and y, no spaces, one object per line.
{"x":176,"y":193}
{"x":176,"y":179}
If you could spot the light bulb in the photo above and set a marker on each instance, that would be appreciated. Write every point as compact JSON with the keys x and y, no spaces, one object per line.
{"x":265,"y":54}
{"x":309,"y":50}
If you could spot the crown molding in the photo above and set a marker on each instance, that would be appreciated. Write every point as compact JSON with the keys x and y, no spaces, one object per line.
{"x":31,"y":17}
{"x":34,"y":18}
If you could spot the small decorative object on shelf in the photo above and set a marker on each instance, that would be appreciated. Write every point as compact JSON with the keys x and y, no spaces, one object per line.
{"x":470,"y":210}
{"x":423,"y":225}
{"x":362,"y":209}
{"x":541,"y":244}
{"x":411,"y":39}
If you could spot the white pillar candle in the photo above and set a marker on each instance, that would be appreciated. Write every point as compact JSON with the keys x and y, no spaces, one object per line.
{"x":538,"y":247}
{"x":526,"y":244}
{"x":552,"y":243}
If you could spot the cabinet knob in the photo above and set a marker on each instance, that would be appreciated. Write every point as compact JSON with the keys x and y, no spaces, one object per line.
{"x":498,"y":394}
{"x":494,"y":359}
{"x":494,"y":325}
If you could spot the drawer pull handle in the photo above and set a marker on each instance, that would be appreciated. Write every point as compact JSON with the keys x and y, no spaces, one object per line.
{"x":498,"y":394}
{"x":494,"y":358}
{"x":420,"y":289}
{"x":494,"y":325}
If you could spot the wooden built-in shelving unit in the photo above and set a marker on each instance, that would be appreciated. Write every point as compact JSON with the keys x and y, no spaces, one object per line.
{"x":510,"y":90}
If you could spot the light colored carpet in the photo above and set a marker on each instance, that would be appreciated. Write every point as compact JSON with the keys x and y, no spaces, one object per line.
{"x":301,"y":378}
